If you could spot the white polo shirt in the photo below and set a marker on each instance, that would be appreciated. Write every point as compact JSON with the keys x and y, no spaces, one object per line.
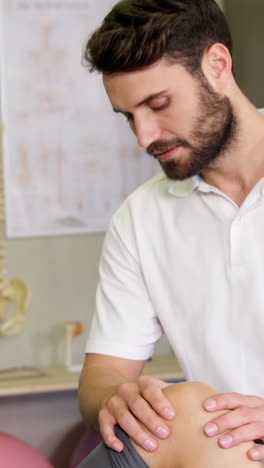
{"x":181,"y":258}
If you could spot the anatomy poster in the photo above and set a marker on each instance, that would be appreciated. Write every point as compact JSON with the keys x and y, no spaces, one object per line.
{"x":69,"y":161}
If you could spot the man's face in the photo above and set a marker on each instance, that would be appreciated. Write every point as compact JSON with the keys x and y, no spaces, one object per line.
{"x":178,"y":118}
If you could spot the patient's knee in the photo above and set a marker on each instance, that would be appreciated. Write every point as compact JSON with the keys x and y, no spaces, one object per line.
{"x":185,"y":429}
{"x":188,"y":395}
{"x":187,"y":445}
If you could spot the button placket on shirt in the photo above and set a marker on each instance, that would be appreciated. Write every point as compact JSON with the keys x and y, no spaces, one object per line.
{"x":237,"y":242}
{"x":239,"y":237}
{"x":240,"y":233}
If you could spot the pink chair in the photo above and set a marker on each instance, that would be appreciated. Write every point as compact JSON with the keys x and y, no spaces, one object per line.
{"x":17,"y":454}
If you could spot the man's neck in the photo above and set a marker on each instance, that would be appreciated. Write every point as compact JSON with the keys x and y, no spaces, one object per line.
{"x":238,"y":171}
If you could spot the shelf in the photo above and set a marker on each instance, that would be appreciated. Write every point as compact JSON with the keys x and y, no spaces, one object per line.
{"x":58,"y":379}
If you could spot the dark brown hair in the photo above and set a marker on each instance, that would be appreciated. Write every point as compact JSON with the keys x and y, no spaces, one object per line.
{"x":138,"y":33}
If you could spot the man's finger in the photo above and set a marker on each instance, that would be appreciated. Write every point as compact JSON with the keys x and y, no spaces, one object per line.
{"x":148,"y":417}
{"x":136,"y":432}
{"x":245,"y":433}
{"x":223,"y":401}
{"x":233,"y":419}
{"x":256,"y":454}
{"x":155,"y":397}
{"x":137,"y":398}
{"x":127,"y":421}
{"x":106,"y":424}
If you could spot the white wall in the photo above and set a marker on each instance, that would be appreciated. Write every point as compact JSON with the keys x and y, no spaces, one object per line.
{"x":63,"y":274}
{"x":246,"y":21}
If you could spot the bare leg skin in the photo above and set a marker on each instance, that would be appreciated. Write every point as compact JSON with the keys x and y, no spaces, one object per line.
{"x":188,"y":446}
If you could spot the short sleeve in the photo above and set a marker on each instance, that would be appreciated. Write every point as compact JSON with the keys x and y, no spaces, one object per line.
{"x":125,"y":324}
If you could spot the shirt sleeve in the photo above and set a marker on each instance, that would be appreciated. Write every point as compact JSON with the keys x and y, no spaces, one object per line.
{"x":125,"y":324}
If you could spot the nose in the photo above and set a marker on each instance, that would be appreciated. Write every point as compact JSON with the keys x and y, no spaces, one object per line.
{"x":146,"y":130}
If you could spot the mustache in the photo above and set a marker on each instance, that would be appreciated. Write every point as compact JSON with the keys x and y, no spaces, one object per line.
{"x":160,"y":147}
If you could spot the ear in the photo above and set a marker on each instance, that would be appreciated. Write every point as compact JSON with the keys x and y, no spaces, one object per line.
{"x":217,"y":66}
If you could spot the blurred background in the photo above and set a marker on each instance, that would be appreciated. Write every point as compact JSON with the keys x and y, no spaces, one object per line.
{"x":62,"y":272}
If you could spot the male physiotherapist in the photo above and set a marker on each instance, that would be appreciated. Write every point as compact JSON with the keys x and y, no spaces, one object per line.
{"x":184,"y":255}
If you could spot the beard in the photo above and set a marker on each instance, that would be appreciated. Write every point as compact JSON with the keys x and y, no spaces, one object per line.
{"x":214,"y":132}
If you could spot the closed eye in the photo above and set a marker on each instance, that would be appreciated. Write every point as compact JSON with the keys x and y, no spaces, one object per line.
{"x":159,"y":108}
{"x":156,"y":104}
{"x":159,"y":104}
{"x":156,"y":108}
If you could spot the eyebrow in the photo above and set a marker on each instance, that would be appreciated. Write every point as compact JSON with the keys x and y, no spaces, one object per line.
{"x":144,"y":101}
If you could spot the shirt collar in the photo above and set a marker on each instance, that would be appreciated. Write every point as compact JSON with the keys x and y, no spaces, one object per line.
{"x":183,"y":188}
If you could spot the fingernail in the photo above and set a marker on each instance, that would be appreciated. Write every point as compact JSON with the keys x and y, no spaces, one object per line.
{"x":117,"y":447}
{"x":150,"y":445}
{"x":162,"y":432}
{"x":211,"y":429}
{"x":226,"y":441}
{"x":210,"y":404}
{"x":168,"y":413}
{"x":254,"y":453}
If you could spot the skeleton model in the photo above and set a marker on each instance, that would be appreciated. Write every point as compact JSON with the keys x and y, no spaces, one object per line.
{"x":15,"y":294}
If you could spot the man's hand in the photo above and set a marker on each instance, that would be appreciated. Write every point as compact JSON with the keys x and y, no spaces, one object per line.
{"x":244,"y":423}
{"x":134,"y":403}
